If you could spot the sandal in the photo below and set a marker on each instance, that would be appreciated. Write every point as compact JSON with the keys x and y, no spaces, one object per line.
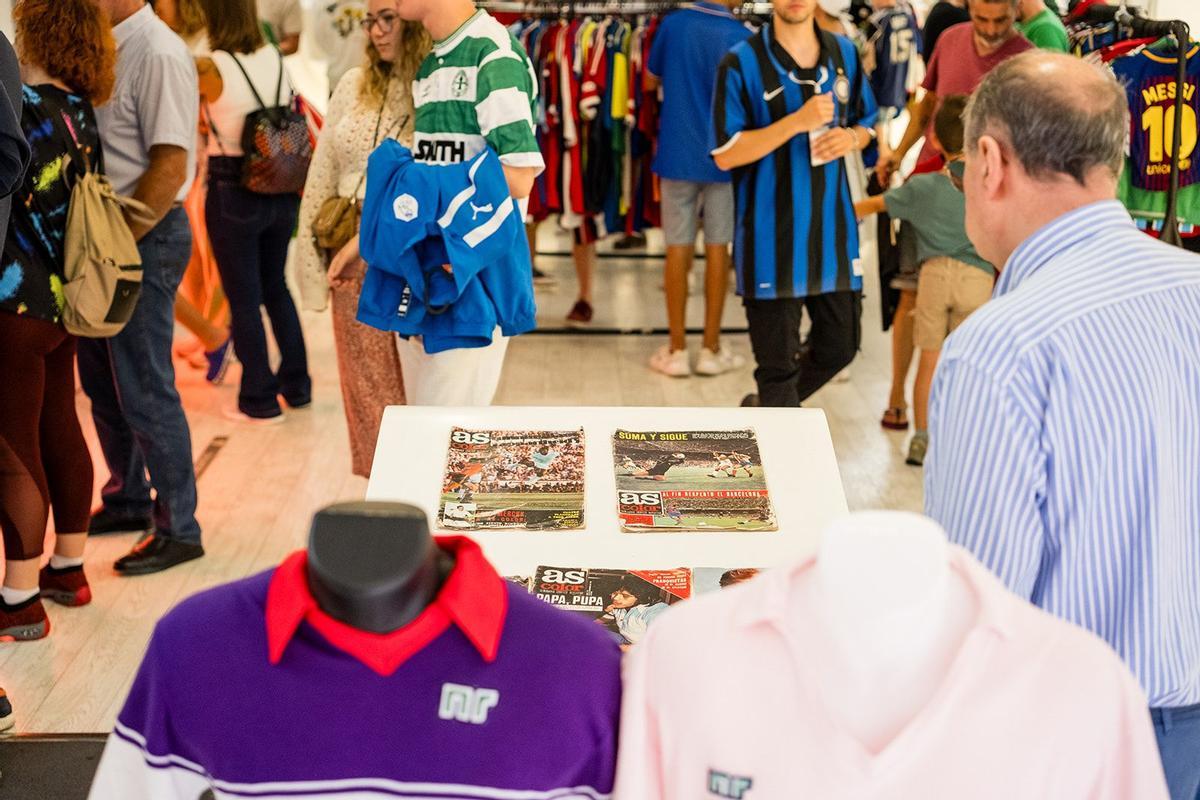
{"x":895,"y":419}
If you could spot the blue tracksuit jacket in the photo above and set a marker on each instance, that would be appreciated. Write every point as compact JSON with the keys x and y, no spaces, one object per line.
{"x":417,"y":217}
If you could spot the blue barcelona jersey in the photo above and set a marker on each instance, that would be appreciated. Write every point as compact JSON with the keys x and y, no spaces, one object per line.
{"x":895,"y":40}
{"x":796,"y":233}
{"x":1150,"y":78}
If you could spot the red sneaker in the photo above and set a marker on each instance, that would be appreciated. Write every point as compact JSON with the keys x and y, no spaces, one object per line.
{"x":67,"y":587}
{"x":23,"y":622}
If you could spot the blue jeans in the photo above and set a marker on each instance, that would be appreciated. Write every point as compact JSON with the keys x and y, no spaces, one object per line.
{"x":1178,"y":731}
{"x":250,"y":235}
{"x":131,"y":382}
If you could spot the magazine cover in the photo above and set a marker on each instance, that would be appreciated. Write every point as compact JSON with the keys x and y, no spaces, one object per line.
{"x":625,"y":602}
{"x":513,"y":479}
{"x":712,"y":579}
{"x":691,"y":481}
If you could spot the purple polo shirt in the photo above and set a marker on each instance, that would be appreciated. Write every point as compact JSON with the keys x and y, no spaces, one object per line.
{"x":490,"y":692}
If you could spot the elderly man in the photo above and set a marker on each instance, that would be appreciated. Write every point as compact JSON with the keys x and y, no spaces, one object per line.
{"x":1066,"y":412}
{"x":964,"y":54}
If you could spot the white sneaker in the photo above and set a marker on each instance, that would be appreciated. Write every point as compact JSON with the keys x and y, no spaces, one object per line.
{"x":672,"y":364}
{"x":719,"y":362}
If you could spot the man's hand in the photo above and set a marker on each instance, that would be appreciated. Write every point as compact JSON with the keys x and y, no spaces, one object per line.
{"x":835,"y":144}
{"x":344,"y":267}
{"x":818,"y":111}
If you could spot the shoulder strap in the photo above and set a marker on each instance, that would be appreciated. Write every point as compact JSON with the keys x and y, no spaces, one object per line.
{"x":279,"y":83}
{"x":258,"y":99}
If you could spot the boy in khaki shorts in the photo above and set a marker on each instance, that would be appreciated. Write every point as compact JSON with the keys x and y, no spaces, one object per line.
{"x":954,"y":279}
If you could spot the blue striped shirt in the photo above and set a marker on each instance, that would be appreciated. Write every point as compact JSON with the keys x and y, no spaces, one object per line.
{"x":1065,"y":439}
{"x":796,"y":234}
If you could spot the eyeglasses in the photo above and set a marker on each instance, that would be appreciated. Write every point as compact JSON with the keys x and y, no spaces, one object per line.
{"x":386,"y":22}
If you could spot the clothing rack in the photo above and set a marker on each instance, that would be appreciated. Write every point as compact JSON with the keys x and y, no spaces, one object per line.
{"x":573,"y":8}
{"x":1140,"y":27}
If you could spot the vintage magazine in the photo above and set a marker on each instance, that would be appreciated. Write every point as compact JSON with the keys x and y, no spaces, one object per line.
{"x":712,"y":579}
{"x":513,"y":479}
{"x":691,"y":481}
{"x":625,"y":602}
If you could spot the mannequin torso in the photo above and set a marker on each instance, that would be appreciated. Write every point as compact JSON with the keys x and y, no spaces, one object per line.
{"x":888,"y":615}
{"x":374,"y":566}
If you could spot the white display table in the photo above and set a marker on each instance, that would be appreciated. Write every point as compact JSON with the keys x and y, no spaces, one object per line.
{"x":797,"y":453}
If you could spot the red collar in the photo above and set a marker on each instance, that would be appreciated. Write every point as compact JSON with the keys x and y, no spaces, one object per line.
{"x":473,"y":597}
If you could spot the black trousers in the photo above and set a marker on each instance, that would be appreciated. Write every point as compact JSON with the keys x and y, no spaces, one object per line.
{"x":788,"y":370}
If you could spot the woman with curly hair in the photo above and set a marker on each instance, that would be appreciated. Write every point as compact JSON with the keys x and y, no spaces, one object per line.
{"x":68,"y":60}
{"x":371,"y":103}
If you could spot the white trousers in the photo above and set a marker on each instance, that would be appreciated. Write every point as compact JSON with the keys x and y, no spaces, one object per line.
{"x":465,"y":377}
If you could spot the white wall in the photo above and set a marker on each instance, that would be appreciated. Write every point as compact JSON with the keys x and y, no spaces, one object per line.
{"x":1186,"y":10}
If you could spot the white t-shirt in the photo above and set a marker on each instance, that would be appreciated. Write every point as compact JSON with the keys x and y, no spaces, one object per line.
{"x":228,"y":113}
{"x":338,"y":31}
{"x":284,"y":16}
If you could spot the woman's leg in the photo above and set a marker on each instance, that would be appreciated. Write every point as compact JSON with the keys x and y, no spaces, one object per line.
{"x":902,"y":354}
{"x":236,"y":222}
{"x":294,"y":381}
{"x":369,"y":369}
{"x":68,"y":463}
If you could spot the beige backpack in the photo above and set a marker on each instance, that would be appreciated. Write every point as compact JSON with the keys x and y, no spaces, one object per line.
{"x":101,"y":263}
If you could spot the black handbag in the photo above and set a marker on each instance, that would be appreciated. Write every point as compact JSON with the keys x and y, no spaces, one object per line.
{"x":275,"y":142}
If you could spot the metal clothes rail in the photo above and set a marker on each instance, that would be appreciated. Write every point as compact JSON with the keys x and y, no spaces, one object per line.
{"x":569,"y":8}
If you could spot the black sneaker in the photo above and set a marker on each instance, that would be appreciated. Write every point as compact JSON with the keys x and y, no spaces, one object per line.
{"x":155,"y":554}
{"x":633,"y":241}
{"x":6,"y":712}
{"x":542,"y":278}
{"x":105,"y":522}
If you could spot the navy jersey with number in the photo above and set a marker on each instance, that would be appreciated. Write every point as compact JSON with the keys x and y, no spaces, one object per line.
{"x":895,"y":40}
{"x":1150,"y":79}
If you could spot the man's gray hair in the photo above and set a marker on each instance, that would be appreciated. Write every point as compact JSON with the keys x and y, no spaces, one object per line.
{"x":1064,"y":118}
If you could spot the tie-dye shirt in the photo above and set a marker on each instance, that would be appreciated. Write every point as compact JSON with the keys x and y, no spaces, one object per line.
{"x":31,"y":272}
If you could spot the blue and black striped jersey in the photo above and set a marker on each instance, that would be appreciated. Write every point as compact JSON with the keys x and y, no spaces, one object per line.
{"x":796,"y":232}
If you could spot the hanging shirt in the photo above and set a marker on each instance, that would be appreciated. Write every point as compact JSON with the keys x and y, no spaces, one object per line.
{"x":476,"y":89}
{"x":251,"y":690}
{"x":894,"y":40}
{"x":1032,"y":708}
{"x":796,"y":232}
{"x":1150,"y":78}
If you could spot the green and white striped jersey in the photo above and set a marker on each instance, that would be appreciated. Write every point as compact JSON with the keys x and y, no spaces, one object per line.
{"x":477,"y":88}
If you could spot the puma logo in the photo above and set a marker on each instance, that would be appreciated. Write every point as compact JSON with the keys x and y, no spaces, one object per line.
{"x":769,"y":96}
{"x":488,"y":209}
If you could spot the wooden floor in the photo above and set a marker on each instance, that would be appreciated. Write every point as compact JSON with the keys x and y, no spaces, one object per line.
{"x":259,"y":487}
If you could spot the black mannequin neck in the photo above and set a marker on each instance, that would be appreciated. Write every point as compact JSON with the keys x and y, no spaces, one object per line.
{"x":374,"y":566}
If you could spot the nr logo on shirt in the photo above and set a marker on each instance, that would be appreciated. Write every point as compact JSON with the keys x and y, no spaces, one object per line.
{"x":722,"y":784}
{"x":467,"y":703}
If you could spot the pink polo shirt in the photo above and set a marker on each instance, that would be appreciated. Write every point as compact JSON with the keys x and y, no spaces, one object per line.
{"x":716,"y":705}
